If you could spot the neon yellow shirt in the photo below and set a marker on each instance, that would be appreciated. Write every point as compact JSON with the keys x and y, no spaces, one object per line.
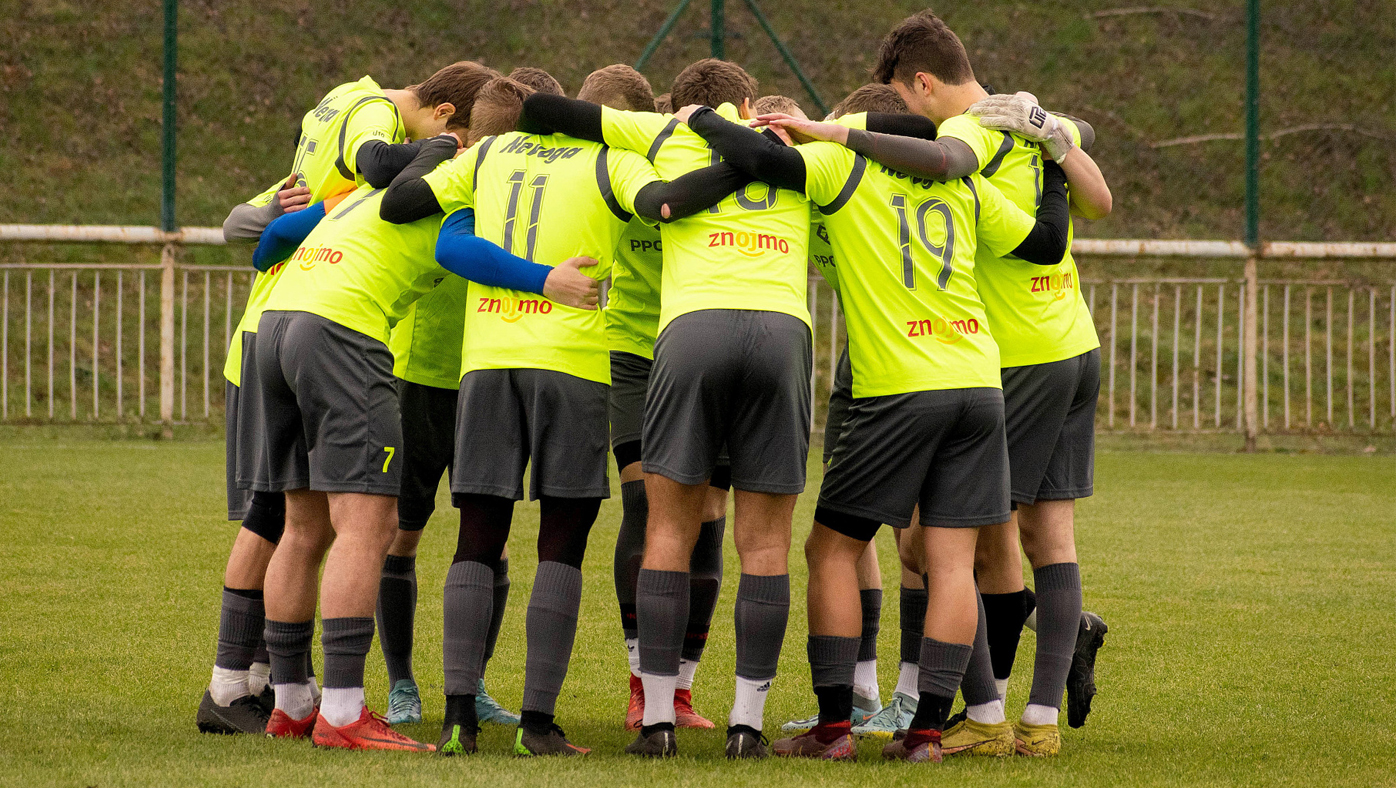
{"x":1038,"y":312}
{"x":632,"y":306}
{"x":821,"y":252}
{"x":545,"y":198}
{"x":358,"y":270}
{"x":906,"y":248}
{"x":749,"y":251}
{"x":426,"y":342}
{"x":331,"y":135}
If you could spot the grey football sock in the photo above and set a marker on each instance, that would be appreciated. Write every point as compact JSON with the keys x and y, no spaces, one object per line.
{"x":913,"y":619}
{"x":552,"y":628}
{"x":630,"y":550}
{"x":763,"y":610}
{"x":978,"y":686}
{"x":661,"y":604}
{"x":240,"y":626}
{"x":468,"y":607}
{"x":871,"y":599}
{"x":1058,"y":588}
{"x":288,"y":647}
{"x":501,"y":601}
{"x":346,"y":642}
{"x":832,"y":660}
{"x":942,"y":666}
{"x":397,"y":611}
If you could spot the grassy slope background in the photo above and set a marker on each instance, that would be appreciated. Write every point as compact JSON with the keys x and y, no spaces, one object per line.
{"x":80,"y":84}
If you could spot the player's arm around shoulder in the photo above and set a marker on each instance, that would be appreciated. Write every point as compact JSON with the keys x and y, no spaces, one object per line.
{"x":1007,"y":229}
{"x":1090,"y":194}
{"x":433,"y":183}
{"x":247,"y":221}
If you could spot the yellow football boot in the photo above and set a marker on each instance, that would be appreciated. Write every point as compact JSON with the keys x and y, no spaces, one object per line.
{"x":978,"y":738}
{"x":1039,"y":741}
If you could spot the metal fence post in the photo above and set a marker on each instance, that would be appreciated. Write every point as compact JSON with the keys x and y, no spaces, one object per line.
{"x":167,"y":330}
{"x":1251,"y":387}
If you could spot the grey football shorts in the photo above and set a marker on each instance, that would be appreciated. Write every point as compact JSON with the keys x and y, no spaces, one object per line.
{"x":507,"y":418}
{"x":840,"y":398}
{"x":238,"y":498}
{"x":630,"y":380}
{"x":944,"y":450}
{"x":739,"y":377}
{"x":1049,"y":412}
{"x":329,"y":408}
{"x":428,"y":447}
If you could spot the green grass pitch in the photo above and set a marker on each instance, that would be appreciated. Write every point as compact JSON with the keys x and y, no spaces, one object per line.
{"x":1249,"y":600}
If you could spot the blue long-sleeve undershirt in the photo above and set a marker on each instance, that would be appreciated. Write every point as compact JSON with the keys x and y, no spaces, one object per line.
{"x":465,"y":254}
{"x":284,"y":235}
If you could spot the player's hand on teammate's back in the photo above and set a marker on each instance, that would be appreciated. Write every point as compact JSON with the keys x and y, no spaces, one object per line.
{"x":686,"y":112}
{"x":1020,"y":114}
{"x":292,"y":197}
{"x":801,"y":130}
{"x":567,"y":285}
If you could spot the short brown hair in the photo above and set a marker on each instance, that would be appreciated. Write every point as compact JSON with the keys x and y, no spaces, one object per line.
{"x":497,"y":108}
{"x":922,"y":43}
{"x":711,"y":82}
{"x":872,"y":97}
{"x":538,"y":79}
{"x":619,"y":87}
{"x":455,"y":84}
{"x":782,"y":104}
{"x":663,"y":104}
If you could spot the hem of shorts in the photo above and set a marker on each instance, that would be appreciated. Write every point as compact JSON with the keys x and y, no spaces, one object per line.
{"x":512,"y":493}
{"x":689,"y":479}
{"x":1069,"y":351}
{"x":882,"y":517}
{"x":966,"y":522}
{"x":768,"y":489}
{"x":571,"y":492}
{"x":1055,"y":495}
{"x":237,"y":517}
{"x":278,"y":486}
{"x":357,"y":487}
{"x":621,"y":440}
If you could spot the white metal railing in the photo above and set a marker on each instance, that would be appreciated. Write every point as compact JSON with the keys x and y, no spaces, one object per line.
{"x":1174,"y":350}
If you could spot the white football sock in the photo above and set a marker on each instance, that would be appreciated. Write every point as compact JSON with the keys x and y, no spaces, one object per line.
{"x":1037,"y":714}
{"x":659,"y":698}
{"x":865,"y":680}
{"x":258,"y":677}
{"x":749,"y":707}
{"x":295,"y":700}
{"x":688,"y":668}
{"x":1002,"y":684}
{"x":342,"y":705}
{"x":227,"y":685}
{"x":907,"y":677}
{"x":990,"y":713}
{"x":314,"y":689}
{"x":632,"y":653}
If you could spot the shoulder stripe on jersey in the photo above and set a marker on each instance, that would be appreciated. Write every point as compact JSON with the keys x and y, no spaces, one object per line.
{"x":997,"y":161}
{"x":970,"y":183}
{"x":603,"y":182}
{"x":661,"y":139}
{"x":860,"y":165}
{"x":480,"y":159}
{"x":339,"y":162}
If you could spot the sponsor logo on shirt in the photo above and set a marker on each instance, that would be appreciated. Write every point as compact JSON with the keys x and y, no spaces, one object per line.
{"x":512,"y":310}
{"x":522,"y":146}
{"x":947,"y":332}
{"x":308,"y":256}
{"x":749,"y":244}
{"x":1057,"y":284}
{"x":641,"y":247}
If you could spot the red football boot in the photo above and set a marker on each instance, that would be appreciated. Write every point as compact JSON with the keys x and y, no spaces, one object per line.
{"x":369,"y":732}
{"x":684,"y":715}
{"x":635,"y":712}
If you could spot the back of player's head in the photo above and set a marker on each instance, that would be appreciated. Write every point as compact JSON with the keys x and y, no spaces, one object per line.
{"x":922,"y":43}
{"x":538,"y":79}
{"x":455,"y":84}
{"x":664,"y":103}
{"x":619,"y":87}
{"x":497,"y":108}
{"x":785,"y":105}
{"x":873,"y":97}
{"x":711,"y":82}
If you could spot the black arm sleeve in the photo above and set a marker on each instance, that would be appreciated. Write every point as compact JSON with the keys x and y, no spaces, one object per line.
{"x":409,"y":198}
{"x":761,"y":157}
{"x":937,"y":160}
{"x":544,"y":113}
{"x":696,"y":191}
{"x":1046,"y":244}
{"x":902,"y":124}
{"x":380,"y":162}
